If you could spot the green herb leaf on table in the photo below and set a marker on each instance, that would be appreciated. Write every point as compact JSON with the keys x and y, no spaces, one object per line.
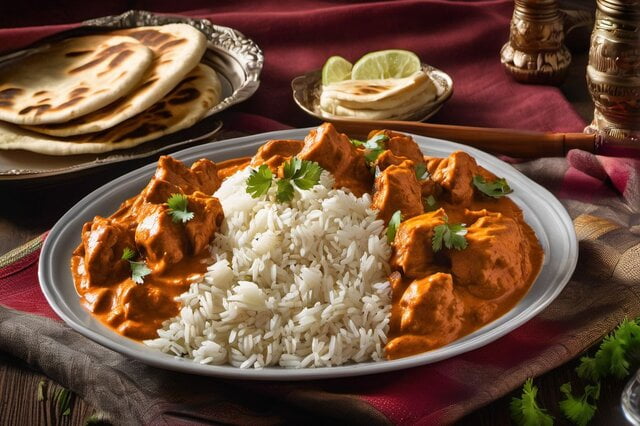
{"x":392,"y":227}
{"x":496,"y":189}
{"x":259,"y":182}
{"x":430,"y":203}
{"x":579,"y":410}
{"x":178,"y":204}
{"x":421,"y":171}
{"x":41,"y":385}
{"x":525,"y":411}
{"x":614,"y":355}
{"x":63,"y":398}
{"x":451,"y":235}
{"x":139,"y":269}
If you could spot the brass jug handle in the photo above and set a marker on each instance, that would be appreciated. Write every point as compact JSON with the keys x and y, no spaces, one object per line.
{"x":574,"y":18}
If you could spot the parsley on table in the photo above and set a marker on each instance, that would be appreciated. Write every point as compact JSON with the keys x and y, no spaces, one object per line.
{"x":452,"y":235}
{"x":421,"y":171}
{"x":614,"y":355}
{"x":63,"y":398}
{"x":139,"y":269}
{"x":178,"y":208}
{"x":496,"y":189}
{"x":525,"y":410}
{"x":259,"y":182}
{"x":579,"y":410}
{"x":394,"y":222}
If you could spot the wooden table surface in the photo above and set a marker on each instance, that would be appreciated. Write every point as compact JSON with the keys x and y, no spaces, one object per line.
{"x":36,"y":209}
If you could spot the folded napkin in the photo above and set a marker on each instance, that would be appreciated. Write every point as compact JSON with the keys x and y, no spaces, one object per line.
{"x":462,"y":38}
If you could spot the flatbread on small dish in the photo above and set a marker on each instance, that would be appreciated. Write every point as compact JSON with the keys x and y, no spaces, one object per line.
{"x":177,"y":49}
{"x":187,"y":103}
{"x":60,"y":81}
{"x":389,"y":94}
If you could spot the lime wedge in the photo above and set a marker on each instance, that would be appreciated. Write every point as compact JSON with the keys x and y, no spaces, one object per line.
{"x":336,"y":69}
{"x":383,"y":64}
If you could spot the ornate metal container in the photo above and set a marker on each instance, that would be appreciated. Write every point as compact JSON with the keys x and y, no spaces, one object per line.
{"x":535,"y":52}
{"x":613,"y":73}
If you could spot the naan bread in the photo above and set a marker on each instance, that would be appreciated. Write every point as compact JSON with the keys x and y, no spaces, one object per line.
{"x":404,"y":111}
{"x":177,"y":48}
{"x":187,"y":103}
{"x":64,"y":80}
{"x":369,"y":91}
{"x":389,"y":94}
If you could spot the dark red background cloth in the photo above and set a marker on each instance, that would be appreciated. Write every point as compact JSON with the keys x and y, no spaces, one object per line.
{"x":463,"y":38}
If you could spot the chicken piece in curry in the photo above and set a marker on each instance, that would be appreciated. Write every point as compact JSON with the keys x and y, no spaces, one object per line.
{"x":172,"y":251}
{"x":440,"y":292}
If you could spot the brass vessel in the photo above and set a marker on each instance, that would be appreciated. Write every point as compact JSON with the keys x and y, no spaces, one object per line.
{"x":613,"y":73}
{"x":535,"y":52}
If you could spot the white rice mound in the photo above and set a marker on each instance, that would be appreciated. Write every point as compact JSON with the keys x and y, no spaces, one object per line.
{"x":297,"y":284}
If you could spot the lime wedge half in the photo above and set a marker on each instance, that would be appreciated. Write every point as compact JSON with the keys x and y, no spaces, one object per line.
{"x":336,"y":69}
{"x":383,"y":64}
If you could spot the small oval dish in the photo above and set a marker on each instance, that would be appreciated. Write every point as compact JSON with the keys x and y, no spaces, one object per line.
{"x":308,"y":87}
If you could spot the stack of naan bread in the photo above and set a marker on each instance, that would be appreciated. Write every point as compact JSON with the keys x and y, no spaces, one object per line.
{"x":104,"y":92}
{"x":392,"y":98}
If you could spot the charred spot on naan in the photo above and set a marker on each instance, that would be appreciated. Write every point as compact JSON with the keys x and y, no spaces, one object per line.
{"x":77,"y":53}
{"x":7,"y":95}
{"x":120,"y":50}
{"x":150,"y":37}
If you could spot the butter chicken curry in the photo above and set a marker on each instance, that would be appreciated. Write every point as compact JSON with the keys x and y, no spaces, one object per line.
{"x":461,"y":255}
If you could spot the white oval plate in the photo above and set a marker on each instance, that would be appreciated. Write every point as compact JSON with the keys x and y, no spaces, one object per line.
{"x":542,"y":210}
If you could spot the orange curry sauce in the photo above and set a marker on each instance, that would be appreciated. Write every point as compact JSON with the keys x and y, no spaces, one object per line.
{"x":437,"y":296}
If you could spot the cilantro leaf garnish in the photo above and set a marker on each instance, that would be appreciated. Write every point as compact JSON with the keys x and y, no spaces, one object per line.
{"x":421,"y":171}
{"x":392,"y":227}
{"x":305,"y":174}
{"x":377,"y":142}
{"x":430,"y":203}
{"x":128,"y":254}
{"x":496,"y":189}
{"x":285,"y":190}
{"x":526,"y":411}
{"x":178,"y":208}
{"x":139,"y":269}
{"x":357,"y":143}
{"x":373,"y":147}
{"x":579,"y":410}
{"x":259,"y":182}
{"x":452,"y":235}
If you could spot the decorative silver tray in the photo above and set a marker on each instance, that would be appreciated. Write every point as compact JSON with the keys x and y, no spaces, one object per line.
{"x":308,"y":87}
{"x":237,"y":60}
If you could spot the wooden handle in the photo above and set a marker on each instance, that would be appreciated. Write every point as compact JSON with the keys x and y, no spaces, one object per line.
{"x":514,"y":143}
